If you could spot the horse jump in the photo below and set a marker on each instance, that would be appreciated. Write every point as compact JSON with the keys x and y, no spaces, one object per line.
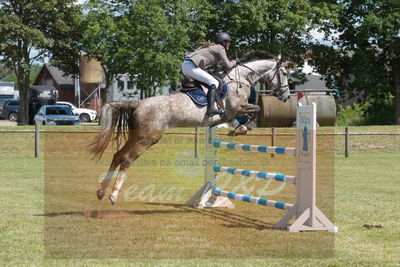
{"x":141,"y":124}
{"x":308,"y":216}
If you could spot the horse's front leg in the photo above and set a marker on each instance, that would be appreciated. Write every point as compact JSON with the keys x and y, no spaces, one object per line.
{"x":252,"y":122}
{"x":249,"y":109}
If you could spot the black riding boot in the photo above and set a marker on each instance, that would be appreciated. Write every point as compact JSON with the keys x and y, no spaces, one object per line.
{"x":211,"y":110}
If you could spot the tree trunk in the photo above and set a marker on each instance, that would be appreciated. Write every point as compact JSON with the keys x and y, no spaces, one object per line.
{"x":25,"y":72}
{"x":23,"y":87}
{"x":23,"y":81}
{"x":396,"y":87}
{"x":27,"y":98}
{"x":108,"y":85}
{"x":21,"y":97}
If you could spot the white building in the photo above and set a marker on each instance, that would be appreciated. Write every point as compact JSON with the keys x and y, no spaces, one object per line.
{"x":7,"y":90}
{"x":123,"y":88}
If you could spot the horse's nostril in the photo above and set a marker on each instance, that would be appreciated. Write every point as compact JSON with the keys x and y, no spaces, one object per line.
{"x":288,"y":97}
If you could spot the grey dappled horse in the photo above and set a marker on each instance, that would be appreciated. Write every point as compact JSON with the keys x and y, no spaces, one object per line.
{"x":142,"y":123}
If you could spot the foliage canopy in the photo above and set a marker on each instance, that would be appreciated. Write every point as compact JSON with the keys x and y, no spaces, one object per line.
{"x":33,"y":30}
{"x":366,"y":57}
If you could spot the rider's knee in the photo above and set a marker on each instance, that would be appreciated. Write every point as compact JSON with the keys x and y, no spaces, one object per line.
{"x":215,"y":83}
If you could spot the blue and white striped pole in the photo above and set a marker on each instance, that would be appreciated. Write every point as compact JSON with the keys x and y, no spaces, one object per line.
{"x":256,"y":148}
{"x":255,"y":200}
{"x":256,"y":174}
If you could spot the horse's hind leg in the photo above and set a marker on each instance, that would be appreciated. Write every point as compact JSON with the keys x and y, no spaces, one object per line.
{"x":116,"y":161}
{"x":107,"y":179}
{"x":119,"y":181}
{"x":139,"y":145}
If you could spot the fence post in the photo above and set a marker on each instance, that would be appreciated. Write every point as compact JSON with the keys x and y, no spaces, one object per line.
{"x":273,"y":139}
{"x":346,"y":142}
{"x":37,"y":139}
{"x":196,"y":142}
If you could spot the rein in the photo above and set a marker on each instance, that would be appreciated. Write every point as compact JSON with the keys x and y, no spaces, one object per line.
{"x":231,"y":80}
{"x":277,"y":90}
{"x":241,"y":83}
{"x":278,"y":87}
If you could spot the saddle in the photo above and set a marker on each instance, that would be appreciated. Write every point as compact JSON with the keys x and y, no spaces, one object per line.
{"x":195,"y":90}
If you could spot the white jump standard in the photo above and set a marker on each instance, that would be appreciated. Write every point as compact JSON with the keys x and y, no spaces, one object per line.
{"x":308,"y":216}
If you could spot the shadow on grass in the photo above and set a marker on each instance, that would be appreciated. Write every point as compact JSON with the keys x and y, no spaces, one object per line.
{"x":229,"y":219}
{"x":104,"y":214}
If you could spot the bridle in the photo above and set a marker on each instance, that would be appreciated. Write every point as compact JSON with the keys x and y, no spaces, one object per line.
{"x":280,"y":89}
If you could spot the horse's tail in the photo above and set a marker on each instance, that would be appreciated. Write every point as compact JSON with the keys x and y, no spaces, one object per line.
{"x":117,"y":115}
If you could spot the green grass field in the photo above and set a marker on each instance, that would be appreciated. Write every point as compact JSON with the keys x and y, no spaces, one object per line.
{"x":51,"y":217}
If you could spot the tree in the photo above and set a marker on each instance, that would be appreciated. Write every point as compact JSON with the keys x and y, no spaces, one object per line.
{"x":366,"y":57}
{"x":8,"y":75}
{"x":101,"y":39}
{"x":278,"y":26}
{"x":33,"y":30}
{"x":145,"y":39}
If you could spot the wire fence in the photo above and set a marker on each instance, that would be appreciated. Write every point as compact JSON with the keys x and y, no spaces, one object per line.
{"x":196,"y":133}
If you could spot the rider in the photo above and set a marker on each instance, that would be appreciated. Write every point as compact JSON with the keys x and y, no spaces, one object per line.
{"x":209,"y":55}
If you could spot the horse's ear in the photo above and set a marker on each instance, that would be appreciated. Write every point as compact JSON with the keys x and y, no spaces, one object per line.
{"x":280,"y":60}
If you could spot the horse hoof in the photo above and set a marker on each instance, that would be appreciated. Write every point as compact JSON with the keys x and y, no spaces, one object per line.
{"x":112,"y":199}
{"x":100,"y":194}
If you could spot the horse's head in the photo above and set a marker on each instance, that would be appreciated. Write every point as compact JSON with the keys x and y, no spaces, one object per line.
{"x":277,"y":80}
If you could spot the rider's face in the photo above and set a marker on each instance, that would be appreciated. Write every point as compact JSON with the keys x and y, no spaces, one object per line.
{"x":227,"y":44}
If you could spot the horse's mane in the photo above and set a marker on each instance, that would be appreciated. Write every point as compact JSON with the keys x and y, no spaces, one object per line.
{"x":257,"y":54}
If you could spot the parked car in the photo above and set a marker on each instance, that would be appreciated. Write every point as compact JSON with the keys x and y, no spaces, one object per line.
{"x":2,"y":101}
{"x":86,"y":115}
{"x":56,"y":115}
{"x":9,"y":110}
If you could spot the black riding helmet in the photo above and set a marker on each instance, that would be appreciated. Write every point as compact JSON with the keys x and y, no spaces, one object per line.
{"x":222,"y":36}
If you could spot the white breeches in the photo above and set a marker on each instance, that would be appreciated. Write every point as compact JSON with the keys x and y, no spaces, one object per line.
{"x":190,"y":70}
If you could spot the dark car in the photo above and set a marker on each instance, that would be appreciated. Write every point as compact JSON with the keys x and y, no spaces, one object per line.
{"x":9,"y":110}
{"x":2,"y":101}
{"x":56,"y":115}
